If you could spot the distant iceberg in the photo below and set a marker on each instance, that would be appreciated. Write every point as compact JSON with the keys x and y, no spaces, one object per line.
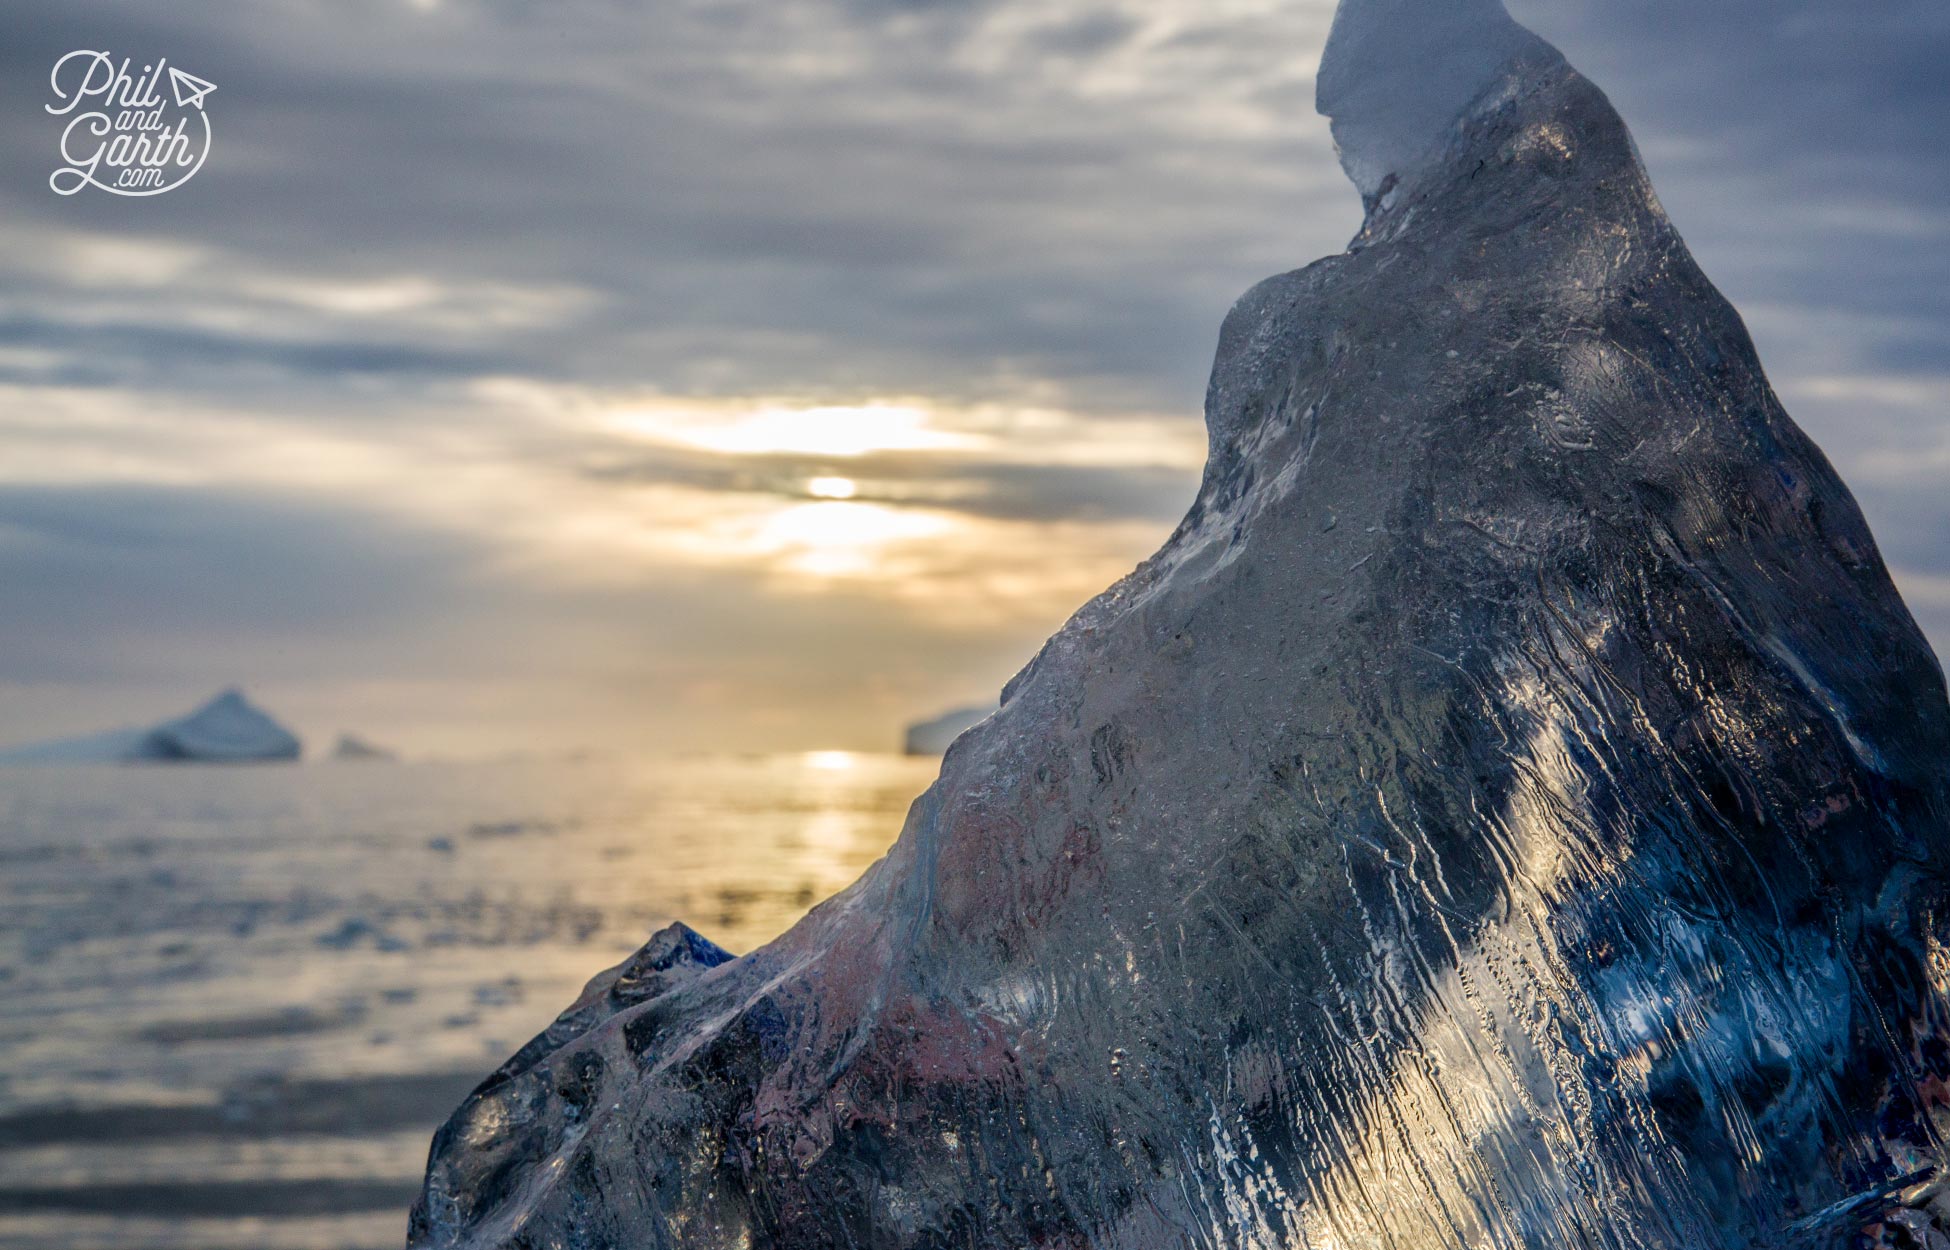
{"x":934,"y":737}
{"x":351,"y":748}
{"x":228,"y":729}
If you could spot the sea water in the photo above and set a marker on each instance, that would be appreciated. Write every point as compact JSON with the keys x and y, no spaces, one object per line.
{"x":236,"y":1002}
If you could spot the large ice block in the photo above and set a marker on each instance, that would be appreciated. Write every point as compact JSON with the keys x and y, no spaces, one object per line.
{"x":1510,"y":811}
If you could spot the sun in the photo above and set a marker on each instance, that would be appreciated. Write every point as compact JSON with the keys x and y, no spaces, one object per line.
{"x":832,"y":488}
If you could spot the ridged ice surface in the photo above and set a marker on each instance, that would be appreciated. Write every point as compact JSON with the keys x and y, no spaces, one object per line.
{"x":1510,"y":811}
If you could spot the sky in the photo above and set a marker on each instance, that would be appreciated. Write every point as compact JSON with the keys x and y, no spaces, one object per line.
{"x":764,"y":374}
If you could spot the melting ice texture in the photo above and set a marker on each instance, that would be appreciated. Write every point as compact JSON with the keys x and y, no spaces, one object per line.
{"x":1510,"y":811}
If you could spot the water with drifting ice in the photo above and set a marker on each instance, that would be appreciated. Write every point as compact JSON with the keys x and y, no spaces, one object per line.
{"x":235,"y":1003}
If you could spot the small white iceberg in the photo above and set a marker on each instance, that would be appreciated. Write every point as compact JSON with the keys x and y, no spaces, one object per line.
{"x":352,"y":749}
{"x":934,"y":737}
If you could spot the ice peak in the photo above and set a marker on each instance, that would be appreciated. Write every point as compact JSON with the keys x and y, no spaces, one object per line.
{"x":1397,"y":74}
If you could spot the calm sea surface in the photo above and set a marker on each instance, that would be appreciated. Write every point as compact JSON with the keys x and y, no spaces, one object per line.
{"x":235,"y":1003}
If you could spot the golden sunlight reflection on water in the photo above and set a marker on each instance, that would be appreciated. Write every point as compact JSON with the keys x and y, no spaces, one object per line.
{"x":774,"y":835}
{"x":298,"y":972}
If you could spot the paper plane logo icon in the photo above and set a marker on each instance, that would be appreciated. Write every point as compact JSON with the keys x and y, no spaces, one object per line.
{"x":130,"y":141}
{"x":189,"y":89}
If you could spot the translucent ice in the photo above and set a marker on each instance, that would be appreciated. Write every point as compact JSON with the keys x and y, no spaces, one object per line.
{"x":1399,"y":75}
{"x":1510,"y":811}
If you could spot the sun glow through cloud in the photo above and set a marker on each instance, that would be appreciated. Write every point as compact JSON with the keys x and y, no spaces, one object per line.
{"x":837,"y":430}
{"x":834,"y":539}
